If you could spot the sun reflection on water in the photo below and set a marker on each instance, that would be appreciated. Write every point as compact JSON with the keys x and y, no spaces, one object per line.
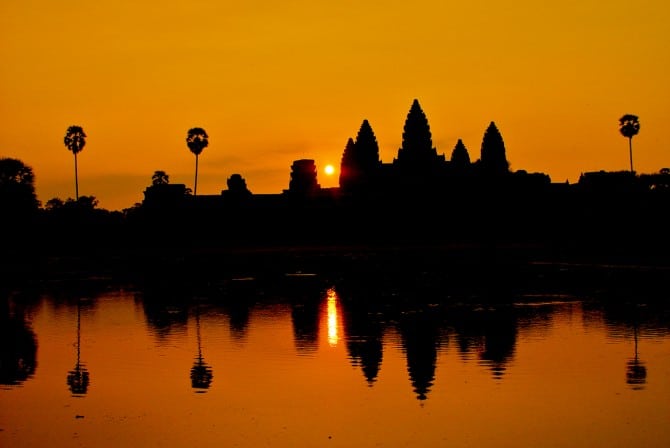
{"x":333,"y":335}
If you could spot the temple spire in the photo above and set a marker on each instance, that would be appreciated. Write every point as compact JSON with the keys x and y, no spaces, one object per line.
{"x":417,"y":151}
{"x":493,"y":158}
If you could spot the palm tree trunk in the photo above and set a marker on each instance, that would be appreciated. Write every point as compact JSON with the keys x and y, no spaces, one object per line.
{"x":76,"y":179}
{"x":630,"y":152}
{"x":195,"y":184}
{"x":78,"y":332}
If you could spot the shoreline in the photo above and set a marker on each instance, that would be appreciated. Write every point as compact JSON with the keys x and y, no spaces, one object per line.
{"x":500,"y":272}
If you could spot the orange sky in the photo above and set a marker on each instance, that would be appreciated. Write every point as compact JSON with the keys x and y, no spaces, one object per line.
{"x":273,"y":82}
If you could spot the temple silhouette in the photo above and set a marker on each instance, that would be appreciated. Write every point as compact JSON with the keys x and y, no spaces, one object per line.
{"x":418,"y":171}
{"x":420,"y":196}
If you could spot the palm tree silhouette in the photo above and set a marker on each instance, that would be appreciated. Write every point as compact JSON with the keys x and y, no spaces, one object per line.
{"x":78,"y":378}
{"x":636,"y":372}
{"x":160,"y":178}
{"x":629,"y":126}
{"x":196,"y":140}
{"x":201,"y":372}
{"x":75,"y":140}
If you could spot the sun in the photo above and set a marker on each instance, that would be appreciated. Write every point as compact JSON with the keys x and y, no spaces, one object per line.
{"x":329,"y":170}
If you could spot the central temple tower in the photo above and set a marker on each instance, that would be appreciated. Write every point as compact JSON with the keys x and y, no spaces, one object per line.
{"x":417,"y":154}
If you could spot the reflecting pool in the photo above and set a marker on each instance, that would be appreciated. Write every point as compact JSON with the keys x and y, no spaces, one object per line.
{"x":308,"y":362}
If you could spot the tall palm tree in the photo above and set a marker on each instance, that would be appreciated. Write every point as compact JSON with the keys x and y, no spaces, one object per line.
{"x":196,"y":140}
{"x":629,"y":126}
{"x":75,"y":140}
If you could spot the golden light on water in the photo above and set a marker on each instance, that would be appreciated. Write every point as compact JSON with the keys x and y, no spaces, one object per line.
{"x":593,"y":381}
{"x":333,"y":334}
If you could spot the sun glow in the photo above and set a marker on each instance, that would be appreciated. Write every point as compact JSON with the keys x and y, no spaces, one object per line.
{"x":329,"y":170}
{"x":333,"y":334}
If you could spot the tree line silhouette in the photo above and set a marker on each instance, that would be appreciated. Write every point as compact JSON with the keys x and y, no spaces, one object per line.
{"x":421,"y":196}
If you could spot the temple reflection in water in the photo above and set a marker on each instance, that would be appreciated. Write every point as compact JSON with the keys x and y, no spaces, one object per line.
{"x":298,"y":356}
{"x":486,"y":334}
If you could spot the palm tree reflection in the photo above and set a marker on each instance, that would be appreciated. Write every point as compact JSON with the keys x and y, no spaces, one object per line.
{"x":78,"y":378}
{"x":201,"y":372}
{"x":636,"y":372}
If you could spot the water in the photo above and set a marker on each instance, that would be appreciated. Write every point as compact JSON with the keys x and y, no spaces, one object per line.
{"x":303,"y":363}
